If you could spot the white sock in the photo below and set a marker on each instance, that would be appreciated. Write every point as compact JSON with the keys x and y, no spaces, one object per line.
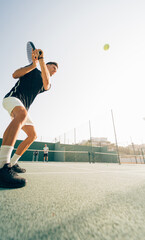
{"x":15,"y":159}
{"x":5,"y":154}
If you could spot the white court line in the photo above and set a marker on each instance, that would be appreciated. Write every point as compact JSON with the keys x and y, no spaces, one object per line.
{"x":56,"y":172}
{"x":106,"y":171}
{"x":88,"y":172}
{"x":87,"y":168}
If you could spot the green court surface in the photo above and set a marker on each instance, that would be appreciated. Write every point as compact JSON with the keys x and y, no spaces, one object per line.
{"x":75,"y":201}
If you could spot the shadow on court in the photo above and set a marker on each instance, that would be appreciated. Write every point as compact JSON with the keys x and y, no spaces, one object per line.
{"x":75,"y":201}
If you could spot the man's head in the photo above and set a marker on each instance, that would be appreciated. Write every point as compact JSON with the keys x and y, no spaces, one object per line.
{"x":52,"y":67}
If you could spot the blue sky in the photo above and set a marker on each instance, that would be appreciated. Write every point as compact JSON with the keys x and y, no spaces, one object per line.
{"x":90,"y":81}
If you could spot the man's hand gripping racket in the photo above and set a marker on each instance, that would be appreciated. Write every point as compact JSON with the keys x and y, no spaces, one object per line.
{"x":33,"y":54}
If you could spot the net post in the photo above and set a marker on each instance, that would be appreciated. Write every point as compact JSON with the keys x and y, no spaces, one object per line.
{"x":143,"y":155}
{"x":134,"y":151}
{"x":91,"y":152}
{"x":75,"y":142}
{"x":117,"y":149}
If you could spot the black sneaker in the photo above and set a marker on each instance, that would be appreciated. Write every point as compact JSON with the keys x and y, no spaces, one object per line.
{"x":18,"y":169}
{"x":9,"y":178}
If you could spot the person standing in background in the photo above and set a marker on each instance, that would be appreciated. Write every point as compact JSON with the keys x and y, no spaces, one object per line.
{"x":45,"y":150}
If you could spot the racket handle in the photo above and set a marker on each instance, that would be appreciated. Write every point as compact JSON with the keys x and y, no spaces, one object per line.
{"x":40,"y":52}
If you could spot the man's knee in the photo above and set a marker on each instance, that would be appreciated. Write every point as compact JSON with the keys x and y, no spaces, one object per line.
{"x":23,"y":115}
{"x":31,"y":133}
{"x":32,"y":136}
{"x":20,"y":114}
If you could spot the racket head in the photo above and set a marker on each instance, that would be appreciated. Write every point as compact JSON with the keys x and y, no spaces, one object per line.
{"x":30,"y":46}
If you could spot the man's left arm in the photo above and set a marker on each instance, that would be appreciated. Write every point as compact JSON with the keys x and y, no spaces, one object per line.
{"x":44,"y":72}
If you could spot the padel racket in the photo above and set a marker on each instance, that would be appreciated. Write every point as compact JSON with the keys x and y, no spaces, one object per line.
{"x":30,"y":47}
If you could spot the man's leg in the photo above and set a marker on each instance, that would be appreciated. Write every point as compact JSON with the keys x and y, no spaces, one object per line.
{"x":10,"y":135}
{"x":8,"y":178}
{"x":31,"y":136}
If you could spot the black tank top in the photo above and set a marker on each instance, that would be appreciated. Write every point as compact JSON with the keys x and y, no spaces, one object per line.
{"x":27,"y":88}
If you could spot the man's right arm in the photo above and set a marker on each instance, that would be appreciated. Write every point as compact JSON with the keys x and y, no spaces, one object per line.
{"x":22,"y":71}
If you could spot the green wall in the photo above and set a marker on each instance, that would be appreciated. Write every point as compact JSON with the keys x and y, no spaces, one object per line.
{"x":65,"y":156}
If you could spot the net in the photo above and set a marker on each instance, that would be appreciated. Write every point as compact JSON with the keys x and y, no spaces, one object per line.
{"x":69,"y":156}
{"x":91,"y":155}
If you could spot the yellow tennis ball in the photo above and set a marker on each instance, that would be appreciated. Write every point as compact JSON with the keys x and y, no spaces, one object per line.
{"x":106,"y":46}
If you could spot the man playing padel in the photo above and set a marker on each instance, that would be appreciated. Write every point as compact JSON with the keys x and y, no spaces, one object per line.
{"x":17,"y":102}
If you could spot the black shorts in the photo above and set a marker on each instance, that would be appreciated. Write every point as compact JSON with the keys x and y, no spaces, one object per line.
{"x":45,"y":154}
